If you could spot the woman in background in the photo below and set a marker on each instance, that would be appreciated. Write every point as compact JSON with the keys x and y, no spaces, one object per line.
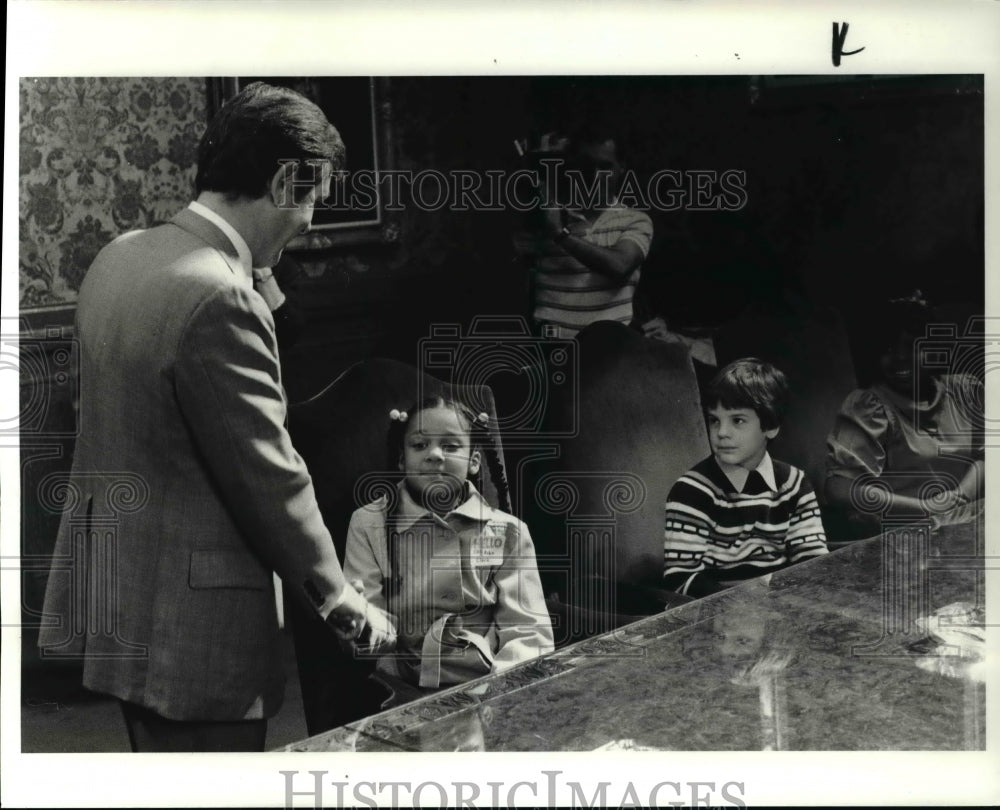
{"x":910,"y":445}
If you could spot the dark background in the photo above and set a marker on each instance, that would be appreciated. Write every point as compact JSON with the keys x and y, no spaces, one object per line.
{"x":856,"y":191}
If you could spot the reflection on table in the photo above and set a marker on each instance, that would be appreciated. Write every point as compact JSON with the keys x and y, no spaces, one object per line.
{"x":877,"y":646}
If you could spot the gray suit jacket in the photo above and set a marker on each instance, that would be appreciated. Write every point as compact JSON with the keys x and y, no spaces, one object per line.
{"x":185,"y":491}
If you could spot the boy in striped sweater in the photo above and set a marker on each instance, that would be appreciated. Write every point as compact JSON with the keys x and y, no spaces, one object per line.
{"x":739,"y":513}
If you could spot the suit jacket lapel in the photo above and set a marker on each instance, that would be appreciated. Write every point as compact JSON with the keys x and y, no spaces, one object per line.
{"x":211,"y":235}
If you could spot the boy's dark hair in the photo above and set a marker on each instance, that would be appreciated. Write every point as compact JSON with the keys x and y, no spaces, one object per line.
{"x":254,"y":132}
{"x":751,"y":383}
{"x":480,"y":437}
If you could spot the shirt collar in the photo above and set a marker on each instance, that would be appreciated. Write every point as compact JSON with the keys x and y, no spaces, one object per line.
{"x":242,"y":248}
{"x":409,"y":511}
{"x":738,"y":475}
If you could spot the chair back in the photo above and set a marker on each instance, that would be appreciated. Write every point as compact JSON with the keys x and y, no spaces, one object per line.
{"x":640,"y":427}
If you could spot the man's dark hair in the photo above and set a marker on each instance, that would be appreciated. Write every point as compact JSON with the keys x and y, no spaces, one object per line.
{"x":254,"y":132}
{"x":754,"y":384}
{"x":595,"y":133}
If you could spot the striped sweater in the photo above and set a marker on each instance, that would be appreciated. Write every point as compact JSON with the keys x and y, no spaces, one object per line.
{"x":570,"y":296}
{"x":714,"y":533}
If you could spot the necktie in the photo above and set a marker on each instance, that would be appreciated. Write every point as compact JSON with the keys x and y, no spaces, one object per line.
{"x":754,"y":485}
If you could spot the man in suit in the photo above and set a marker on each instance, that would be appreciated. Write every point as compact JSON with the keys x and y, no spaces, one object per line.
{"x":185,"y":492}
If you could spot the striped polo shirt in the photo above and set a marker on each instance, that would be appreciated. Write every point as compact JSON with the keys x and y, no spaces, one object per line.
{"x":570,"y":296}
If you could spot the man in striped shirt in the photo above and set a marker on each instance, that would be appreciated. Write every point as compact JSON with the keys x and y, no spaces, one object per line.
{"x":587,"y":266}
{"x":739,"y":513}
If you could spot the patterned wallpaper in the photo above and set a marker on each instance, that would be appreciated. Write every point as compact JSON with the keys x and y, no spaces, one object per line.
{"x":98,"y":157}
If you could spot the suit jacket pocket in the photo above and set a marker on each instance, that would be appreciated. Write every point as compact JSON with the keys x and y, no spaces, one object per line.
{"x":227,"y":568}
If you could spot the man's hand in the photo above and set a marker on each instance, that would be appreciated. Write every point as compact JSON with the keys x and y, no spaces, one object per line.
{"x":558,"y":217}
{"x":617,"y":262}
{"x":348,"y":618}
{"x":379,"y":631}
{"x":358,"y":623}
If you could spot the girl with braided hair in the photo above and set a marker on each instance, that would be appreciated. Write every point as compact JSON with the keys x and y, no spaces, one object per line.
{"x":458,"y":576}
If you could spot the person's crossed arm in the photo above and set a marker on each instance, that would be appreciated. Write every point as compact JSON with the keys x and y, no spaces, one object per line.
{"x":567,"y":229}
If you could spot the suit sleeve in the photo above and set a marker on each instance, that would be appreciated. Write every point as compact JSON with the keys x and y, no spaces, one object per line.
{"x":522,"y":619}
{"x":227,"y":382}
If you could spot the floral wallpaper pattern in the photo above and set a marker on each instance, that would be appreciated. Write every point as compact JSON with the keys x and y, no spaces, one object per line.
{"x":98,"y":157}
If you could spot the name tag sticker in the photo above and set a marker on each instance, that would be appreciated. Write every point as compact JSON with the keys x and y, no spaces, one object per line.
{"x":487,"y":549}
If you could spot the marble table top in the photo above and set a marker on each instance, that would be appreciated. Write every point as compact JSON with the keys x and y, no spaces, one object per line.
{"x":876,"y":646}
